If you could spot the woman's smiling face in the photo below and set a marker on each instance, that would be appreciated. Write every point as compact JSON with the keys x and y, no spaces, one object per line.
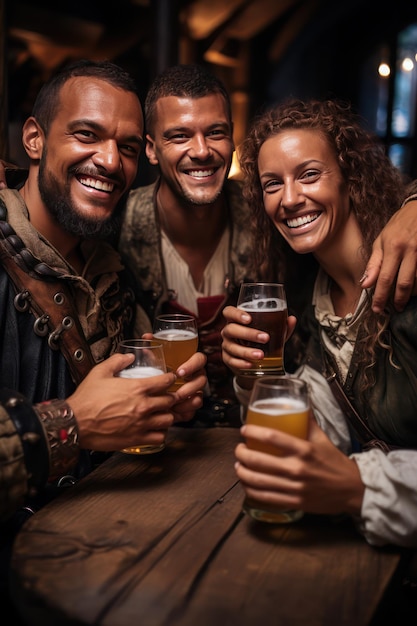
{"x":303,"y":189}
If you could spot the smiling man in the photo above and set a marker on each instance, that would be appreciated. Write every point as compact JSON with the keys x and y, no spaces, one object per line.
{"x":186,"y":236}
{"x":66,"y":301}
{"x":83,"y":141}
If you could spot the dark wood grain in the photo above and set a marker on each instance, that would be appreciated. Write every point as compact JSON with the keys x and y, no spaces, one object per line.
{"x":161,"y":541}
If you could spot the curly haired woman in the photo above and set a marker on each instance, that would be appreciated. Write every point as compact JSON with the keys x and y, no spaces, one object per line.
{"x":321,"y":189}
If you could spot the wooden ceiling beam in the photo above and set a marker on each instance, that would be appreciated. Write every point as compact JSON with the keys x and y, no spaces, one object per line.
{"x":256,"y":16}
{"x":203,"y":17}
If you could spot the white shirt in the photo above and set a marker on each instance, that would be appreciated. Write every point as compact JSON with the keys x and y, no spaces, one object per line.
{"x":179,"y":279}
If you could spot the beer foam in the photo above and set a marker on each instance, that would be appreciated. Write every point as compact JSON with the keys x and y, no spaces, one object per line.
{"x":173,"y":334}
{"x":279,"y":406}
{"x":263,"y":304}
{"x":139,"y":371}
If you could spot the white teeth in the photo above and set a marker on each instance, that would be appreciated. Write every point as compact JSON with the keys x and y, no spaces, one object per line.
{"x":300,"y":221}
{"x":97,"y":184}
{"x":201,"y":173}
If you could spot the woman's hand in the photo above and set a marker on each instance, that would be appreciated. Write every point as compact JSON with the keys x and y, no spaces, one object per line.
{"x":313,"y":475}
{"x":234,"y":354}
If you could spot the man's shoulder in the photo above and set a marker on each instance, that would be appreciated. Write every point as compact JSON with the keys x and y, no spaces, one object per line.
{"x":139,"y":215}
{"x":140,"y":197}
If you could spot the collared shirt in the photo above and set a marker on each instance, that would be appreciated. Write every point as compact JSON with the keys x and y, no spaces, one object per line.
{"x":338,"y":333}
{"x":180,"y":281}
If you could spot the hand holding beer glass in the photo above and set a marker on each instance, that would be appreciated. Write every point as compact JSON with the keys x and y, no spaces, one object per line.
{"x":149,"y":361}
{"x":266,"y":303}
{"x":178,"y":335}
{"x":281,"y":403}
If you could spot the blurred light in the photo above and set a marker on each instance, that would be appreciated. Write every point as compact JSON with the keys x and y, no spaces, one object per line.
{"x":235,"y":171}
{"x":407,"y":64}
{"x":384,"y":70}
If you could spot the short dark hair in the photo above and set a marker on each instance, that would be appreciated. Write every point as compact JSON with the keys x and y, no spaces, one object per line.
{"x":183,"y":81}
{"x":47,"y":100}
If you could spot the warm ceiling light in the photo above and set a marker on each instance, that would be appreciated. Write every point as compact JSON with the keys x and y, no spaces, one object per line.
{"x":384,"y":70}
{"x":407,"y":65}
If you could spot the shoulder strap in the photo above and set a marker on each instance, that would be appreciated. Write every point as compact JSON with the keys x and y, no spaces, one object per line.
{"x":358,"y":425}
{"x":52,"y":304}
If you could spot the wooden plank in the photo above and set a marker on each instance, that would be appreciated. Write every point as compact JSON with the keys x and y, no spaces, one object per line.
{"x":162,"y":541}
{"x":108,"y":543}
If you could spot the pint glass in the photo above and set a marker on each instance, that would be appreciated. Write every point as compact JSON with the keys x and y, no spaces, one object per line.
{"x":178,"y":335}
{"x":281,"y":403}
{"x":149,"y":361}
{"x":266,"y":303}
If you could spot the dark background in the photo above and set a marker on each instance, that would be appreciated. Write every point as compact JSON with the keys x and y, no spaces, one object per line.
{"x":264,"y":50}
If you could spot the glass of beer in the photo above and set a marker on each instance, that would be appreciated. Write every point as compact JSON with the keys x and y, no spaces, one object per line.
{"x":282,"y":403}
{"x":178,"y":335}
{"x":149,"y":361}
{"x":266,"y":303}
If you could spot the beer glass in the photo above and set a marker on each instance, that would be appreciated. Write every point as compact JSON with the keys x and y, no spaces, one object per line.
{"x":149,"y":361}
{"x":178,"y":335}
{"x":281,"y":403}
{"x":266,"y":303}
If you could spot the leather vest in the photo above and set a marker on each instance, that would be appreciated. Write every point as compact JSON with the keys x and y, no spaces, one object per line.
{"x":140,"y":247}
{"x":389,"y":407}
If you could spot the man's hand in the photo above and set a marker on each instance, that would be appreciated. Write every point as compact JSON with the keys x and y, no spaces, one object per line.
{"x":114,"y":413}
{"x":394,"y":260}
{"x":189,"y":397}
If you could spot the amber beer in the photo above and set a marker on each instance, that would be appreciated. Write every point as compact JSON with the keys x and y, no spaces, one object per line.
{"x":179,"y":345}
{"x":287,"y":414}
{"x":281,"y":403}
{"x":269,"y":315}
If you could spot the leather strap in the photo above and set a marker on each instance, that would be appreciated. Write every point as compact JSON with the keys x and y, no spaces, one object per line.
{"x":359,"y":426}
{"x":51,"y":303}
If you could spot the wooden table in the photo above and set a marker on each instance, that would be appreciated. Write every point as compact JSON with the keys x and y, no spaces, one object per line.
{"x":161,"y":541}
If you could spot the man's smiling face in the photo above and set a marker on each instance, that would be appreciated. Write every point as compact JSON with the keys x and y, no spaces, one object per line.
{"x":193,"y":146}
{"x":90,"y":155}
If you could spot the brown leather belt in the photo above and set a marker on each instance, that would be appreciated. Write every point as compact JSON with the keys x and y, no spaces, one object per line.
{"x":50,"y":301}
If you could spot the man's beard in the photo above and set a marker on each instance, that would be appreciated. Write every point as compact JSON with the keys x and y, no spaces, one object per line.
{"x":60,"y":207}
{"x":198,"y":201}
{"x":195,"y":199}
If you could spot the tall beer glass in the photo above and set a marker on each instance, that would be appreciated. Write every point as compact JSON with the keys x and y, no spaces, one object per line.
{"x":281,"y":403}
{"x":149,"y":361}
{"x":178,"y":335}
{"x":266,"y":303}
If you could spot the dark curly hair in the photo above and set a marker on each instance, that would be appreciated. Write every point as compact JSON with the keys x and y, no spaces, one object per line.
{"x":376,"y":190}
